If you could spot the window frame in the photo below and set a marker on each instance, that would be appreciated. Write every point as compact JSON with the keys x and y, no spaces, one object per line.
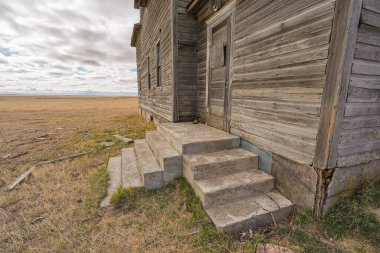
{"x":158,"y":64}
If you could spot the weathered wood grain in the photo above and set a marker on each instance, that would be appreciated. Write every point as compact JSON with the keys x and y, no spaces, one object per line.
{"x":342,"y":46}
{"x":359,"y":140}
{"x":156,"y":26}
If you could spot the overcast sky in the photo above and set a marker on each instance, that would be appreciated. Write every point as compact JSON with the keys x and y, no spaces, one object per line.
{"x":67,"y":46}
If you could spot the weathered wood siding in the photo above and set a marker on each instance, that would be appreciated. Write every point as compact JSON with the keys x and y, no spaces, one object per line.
{"x":360,"y":136}
{"x":156,"y":26}
{"x":187,"y":63}
{"x":201,"y":61}
{"x":280,"y":55}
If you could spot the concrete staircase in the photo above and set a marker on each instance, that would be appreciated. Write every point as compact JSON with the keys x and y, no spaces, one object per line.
{"x":236,"y":195}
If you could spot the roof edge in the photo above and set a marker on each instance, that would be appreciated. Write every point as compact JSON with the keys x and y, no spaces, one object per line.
{"x":135,"y":33}
{"x":140,"y":3}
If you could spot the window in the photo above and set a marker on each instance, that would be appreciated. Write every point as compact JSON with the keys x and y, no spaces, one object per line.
{"x":149,"y":79}
{"x":158,"y":58}
{"x":139,"y":77}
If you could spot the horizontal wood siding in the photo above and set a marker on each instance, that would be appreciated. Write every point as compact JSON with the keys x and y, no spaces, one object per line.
{"x":187,"y":63}
{"x":157,"y":100}
{"x":280,"y":55}
{"x":360,"y":136}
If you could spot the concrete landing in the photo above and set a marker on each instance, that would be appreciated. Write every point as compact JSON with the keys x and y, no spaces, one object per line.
{"x":189,"y":138}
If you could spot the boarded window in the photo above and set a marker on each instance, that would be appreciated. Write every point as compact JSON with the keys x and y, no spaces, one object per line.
{"x":217,"y":55}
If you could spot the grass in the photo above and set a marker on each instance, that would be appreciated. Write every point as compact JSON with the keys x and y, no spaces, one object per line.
{"x":351,"y":216}
{"x":98,"y":189}
{"x":170,"y":219}
{"x":182,"y":214}
{"x":127,"y":198}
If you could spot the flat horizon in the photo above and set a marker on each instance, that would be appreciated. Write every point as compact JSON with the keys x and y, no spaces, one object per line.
{"x":116,"y":94}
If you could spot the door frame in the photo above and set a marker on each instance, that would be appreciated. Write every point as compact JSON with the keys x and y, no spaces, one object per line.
{"x":227,"y":12}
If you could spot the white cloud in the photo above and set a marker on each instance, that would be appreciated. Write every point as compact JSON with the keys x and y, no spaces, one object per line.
{"x":67,"y":46}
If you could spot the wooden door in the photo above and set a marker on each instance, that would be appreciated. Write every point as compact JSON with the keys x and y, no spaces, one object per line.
{"x":219,"y":41}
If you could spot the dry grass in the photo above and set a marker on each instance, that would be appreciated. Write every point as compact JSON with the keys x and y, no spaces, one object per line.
{"x":67,"y":193}
{"x":65,"y":197}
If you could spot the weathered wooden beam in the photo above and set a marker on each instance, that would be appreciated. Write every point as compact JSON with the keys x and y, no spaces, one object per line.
{"x":193,"y":6}
{"x":339,"y":64}
{"x":175,"y":84}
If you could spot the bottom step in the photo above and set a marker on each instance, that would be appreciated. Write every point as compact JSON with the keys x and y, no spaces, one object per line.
{"x":114,"y":178}
{"x":251,"y":213}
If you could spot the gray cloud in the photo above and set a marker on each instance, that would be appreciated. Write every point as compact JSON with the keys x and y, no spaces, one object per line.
{"x":67,"y":45}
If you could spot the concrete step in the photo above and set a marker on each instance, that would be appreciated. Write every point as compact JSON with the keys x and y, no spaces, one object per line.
{"x":221,"y":190}
{"x":188,"y":138}
{"x":202,"y":166}
{"x":168,"y":158}
{"x":251,"y":213}
{"x":151,"y":173}
{"x":114,"y":178}
{"x":130,"y":176}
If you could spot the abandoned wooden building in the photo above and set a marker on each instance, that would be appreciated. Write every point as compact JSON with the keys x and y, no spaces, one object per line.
{"x":287,"y":94}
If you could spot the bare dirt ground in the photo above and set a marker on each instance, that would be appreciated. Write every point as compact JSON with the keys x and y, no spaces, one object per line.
{"x":57,"y":208}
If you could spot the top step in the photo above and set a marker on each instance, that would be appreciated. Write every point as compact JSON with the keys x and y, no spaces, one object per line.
{"x":189,"y":138}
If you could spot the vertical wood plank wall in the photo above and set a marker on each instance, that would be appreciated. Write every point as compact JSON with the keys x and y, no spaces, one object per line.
{"x":187,"y":63}
{"x":201,"y":61}
{"x":360,"y":136}
{"x":157,"y":100}
{"x":280,"y":55}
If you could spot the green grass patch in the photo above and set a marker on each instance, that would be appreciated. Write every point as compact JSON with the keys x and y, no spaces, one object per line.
{"x":127,"y":197}
{"x":351,"y":215}
{"x":98,"y":189}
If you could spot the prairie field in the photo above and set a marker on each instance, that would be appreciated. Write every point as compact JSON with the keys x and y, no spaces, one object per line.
{"x":56,"y":209}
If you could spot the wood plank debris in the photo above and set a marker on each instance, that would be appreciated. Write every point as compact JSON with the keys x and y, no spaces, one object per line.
{"x":31,"y":169}
{"x":38,"y":219}
{"x":124,"y":139}
{"x":107,"y":144}
{"x":14,"y":155}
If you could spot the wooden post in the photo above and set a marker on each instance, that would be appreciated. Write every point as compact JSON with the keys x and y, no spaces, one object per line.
{"x":338,"y":69}
{"x":175,"y":83}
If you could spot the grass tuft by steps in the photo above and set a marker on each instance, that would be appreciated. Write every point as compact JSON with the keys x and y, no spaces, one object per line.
{"x":127,"y":198}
